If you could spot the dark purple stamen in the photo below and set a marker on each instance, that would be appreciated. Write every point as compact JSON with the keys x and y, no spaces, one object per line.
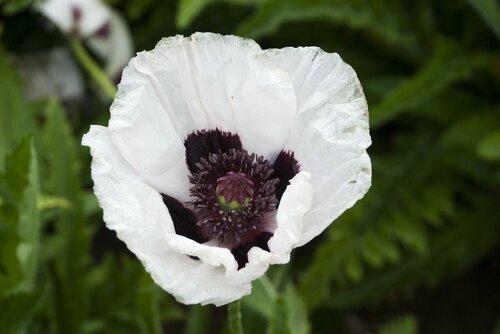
{"x":104,"y":32}
{"x":233,"y":192}
{"x":201,"y":144}
{"x":232,"y":226}
{"x":76,"y":13}
{"x":285,"y":167}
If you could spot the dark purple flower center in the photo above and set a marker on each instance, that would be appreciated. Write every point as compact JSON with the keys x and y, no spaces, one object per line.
{"x":234,"y":193}
{"x":231,"y":194}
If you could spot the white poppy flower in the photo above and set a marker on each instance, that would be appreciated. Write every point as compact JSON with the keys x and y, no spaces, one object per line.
{"x":220,"y":158}
{"x":84,"y":17}
{"x":114,"y":45}
{"x":104,"y":30}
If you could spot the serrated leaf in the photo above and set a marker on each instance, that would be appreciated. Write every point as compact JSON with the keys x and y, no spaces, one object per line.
{"x":16,"y":119}
{"x":448,"y":65}
{"x":19,"y":220}
{"x":17,"y":167}
{"x":64,"y":182}
{"x":390,"y":217}
{"x":29,"y":225}
{"x":381,"y":17}
{"x":461,"y":246}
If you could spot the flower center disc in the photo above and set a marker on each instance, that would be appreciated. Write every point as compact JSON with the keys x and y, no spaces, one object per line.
{"x":231,"y":194}
{"x":234,"y":191}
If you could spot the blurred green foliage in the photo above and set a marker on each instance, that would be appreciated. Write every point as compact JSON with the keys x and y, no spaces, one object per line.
{"x":431,"y":73}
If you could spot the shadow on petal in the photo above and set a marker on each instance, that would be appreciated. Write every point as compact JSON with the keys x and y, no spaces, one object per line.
{"x":184,"y":220}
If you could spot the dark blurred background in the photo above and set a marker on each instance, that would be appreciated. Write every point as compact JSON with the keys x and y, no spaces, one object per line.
{"x":419,"y":254}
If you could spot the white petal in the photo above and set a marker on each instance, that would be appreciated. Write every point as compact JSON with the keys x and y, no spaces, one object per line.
{"x":208,"y":81}
{"x":295,"y":203}
{"x":331,"y":132}
{"x":94,"y":15}
{"x":115,"y":48}
{"x":136,"y":212}
{"x":144,"y":135}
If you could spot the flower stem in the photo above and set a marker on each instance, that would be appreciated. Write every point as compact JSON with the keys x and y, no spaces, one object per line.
{"x":92,"y":68}
{"x":234,"y":317}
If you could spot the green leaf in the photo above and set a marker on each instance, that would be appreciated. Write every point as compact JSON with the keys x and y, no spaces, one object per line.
{"x":19,"y":219}
{"x":455,"y":249}
{"x":17,"y":166}
{"x":278,"y":323}
{"x":148,"y":304}
{"x":489,"y":146}
{"x":198,"y":321}
{"x":63,"y":181}
{"x":394,"y":217}
{"x":404,"y":325}
{"x":234,"y":317}
{"x":190,"y":9}
{"x":17,"y":310}
{"x":11,"y":7}
{"x":466,"y":132}
{"x":16,"y":119}
{"x":448,"y":65}
{"x":354,"y":269}
{"x":382,"y":17}
{"x":489,"y":10}
{"x":298,"y":323}
{"x":29,"y":225}
{"x":262,"y":298}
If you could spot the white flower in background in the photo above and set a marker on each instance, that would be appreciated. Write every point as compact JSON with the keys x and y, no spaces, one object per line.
{"x":114,"y":45}
{"x":84,"y":17}
{"x":104,"y":29}
{"x":220,"y":158}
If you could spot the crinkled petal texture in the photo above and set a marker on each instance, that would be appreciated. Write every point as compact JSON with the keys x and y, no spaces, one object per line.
{"x":298,"y":99}
{"x":84,"y":16}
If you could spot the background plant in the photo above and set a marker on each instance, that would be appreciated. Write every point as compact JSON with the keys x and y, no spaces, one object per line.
{"x":420,"y":253}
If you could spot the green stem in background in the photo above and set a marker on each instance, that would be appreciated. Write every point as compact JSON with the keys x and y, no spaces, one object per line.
{"x":92,"y":68}
{"x":234,"y":317}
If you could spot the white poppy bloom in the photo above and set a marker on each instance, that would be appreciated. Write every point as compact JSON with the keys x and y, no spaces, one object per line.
{"x":220,"y":158}
{"x":113,"y":44}
{"x":84,"y":17}
{"x":104,"y":30}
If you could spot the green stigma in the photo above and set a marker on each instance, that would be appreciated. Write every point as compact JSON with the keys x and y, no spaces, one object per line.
{"x":233,"y":205}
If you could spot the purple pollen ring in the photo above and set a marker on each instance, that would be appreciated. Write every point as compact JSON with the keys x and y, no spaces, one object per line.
{"x":234,"y":191}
